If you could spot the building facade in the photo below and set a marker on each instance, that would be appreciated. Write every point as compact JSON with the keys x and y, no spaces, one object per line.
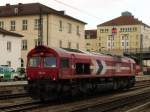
{"x":57,"y":28}
{"x":10,"y":47}
{"x":90,"y":40}
{"x":124,"y":33}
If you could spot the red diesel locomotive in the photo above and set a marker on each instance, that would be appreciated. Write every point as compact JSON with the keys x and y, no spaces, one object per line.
{"x":51,"y":71}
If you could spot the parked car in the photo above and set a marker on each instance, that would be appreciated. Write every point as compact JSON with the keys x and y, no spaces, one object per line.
{"x":19,"y":74}
{"x":7,"y":73}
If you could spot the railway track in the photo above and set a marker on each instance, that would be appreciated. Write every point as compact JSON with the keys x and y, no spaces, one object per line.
{"x":102,"y":104}
{"x":20,"y":107}
{"x":77,"y":106}
{"x":141,"y":84}
{"x":12,"y":96}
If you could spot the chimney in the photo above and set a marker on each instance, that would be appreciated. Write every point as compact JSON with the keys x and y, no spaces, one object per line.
{"x":62,"y":12}
{"x":19,"y":4}
{"x":7,"y":4}
{"x":126,"y":13}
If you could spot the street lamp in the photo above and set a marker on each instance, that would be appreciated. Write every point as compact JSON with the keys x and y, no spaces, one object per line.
{"x":141,"y":51}
{"x":114,"y":31}
{"x":125,"y":41}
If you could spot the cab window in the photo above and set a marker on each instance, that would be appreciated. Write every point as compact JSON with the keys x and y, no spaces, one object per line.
{"x":34,"y":61}
{"x":50,"y":62}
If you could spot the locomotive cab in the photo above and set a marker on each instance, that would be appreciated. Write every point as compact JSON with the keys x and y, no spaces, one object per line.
{"x":42,"y":65}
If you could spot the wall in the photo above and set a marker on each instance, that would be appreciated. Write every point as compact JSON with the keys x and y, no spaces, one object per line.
{"x":14,"y":55}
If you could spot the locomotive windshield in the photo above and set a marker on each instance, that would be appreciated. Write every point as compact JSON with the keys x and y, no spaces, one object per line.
{"x":34,"y":61}
{"x":50,"y":62}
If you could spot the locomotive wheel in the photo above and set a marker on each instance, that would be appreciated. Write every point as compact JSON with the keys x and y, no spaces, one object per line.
{"x":115,"y":85}
{"x":121,"y":84}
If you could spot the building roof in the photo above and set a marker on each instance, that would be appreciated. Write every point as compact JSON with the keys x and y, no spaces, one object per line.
{"x":31,"y":9}
{"x":5,"y":32}
{"x":92,"y":34}
{"x":123,"y":20}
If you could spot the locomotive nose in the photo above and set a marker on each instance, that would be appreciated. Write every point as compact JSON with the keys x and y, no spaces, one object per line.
{"x":41,"y":74}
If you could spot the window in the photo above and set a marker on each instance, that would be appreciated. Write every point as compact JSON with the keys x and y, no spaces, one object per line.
{"x":87,"y":36}
{"x":12,"y":25}
{"x":24,"y":45}
{"x":37,"y":23}
{"x":64,"y":63}
{"x":88,"y":50}
{"x":134,"y":29}
{"x":60,"y":25}
{"x":69,"y":28}
{"x":127,"y":44}
{"x":60,"y":43}
{"x":77,"y":45}
{"x":9,"y":63}
{"x":88,"y":44}
{"x":137,"y":37}
{"x":22,"y":62}
{"x":2,"y":24}
{"x":50,"y":62}
{"x":24,"y":24}
{"x":34,"y":62}
{"x":16,"y":10}
{"x":99,"y":38}
{"x":136,"y":43}
{"x":101,"y":30}
{"x":69,"y":44}
{"x":113,"y":44}
{"x":8,"y":46}
{"x":122,"y":43}
{"x":78,"y":32}
{"x":123,"y":29}
{"x":99,"y":44}
{"x":108,"y":44}
{"x":112,"y":37}
{"x":120,"y":29}
{"x":106,"y":30}
{"x":37,"y":42}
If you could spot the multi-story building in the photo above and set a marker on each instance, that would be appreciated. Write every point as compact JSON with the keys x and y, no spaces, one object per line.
{"x":57,"y":28}
{"x":90,"y":40}
{"x":123,"y":33}
{"x":10,"y":49}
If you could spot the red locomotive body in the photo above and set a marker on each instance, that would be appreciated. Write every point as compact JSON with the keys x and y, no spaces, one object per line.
{"x":57,"y":69}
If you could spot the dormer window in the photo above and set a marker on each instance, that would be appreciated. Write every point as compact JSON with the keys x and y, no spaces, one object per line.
{"x":16,"y":10}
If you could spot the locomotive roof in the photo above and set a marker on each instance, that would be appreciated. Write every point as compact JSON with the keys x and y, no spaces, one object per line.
{"x":66,"y":52}
{"x":73,"y":50}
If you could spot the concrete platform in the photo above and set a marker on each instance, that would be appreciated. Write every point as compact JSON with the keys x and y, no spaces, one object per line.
{"x":12,"y":87}
{"x":142,"y":77}
{"x":13,"y":83}
{"x":22,"y":83}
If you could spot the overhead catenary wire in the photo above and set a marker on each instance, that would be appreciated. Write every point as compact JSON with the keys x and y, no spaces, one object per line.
{"x":77,"y":9}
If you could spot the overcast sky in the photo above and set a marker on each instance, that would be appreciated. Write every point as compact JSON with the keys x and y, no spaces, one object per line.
{"x":95,"y":12}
